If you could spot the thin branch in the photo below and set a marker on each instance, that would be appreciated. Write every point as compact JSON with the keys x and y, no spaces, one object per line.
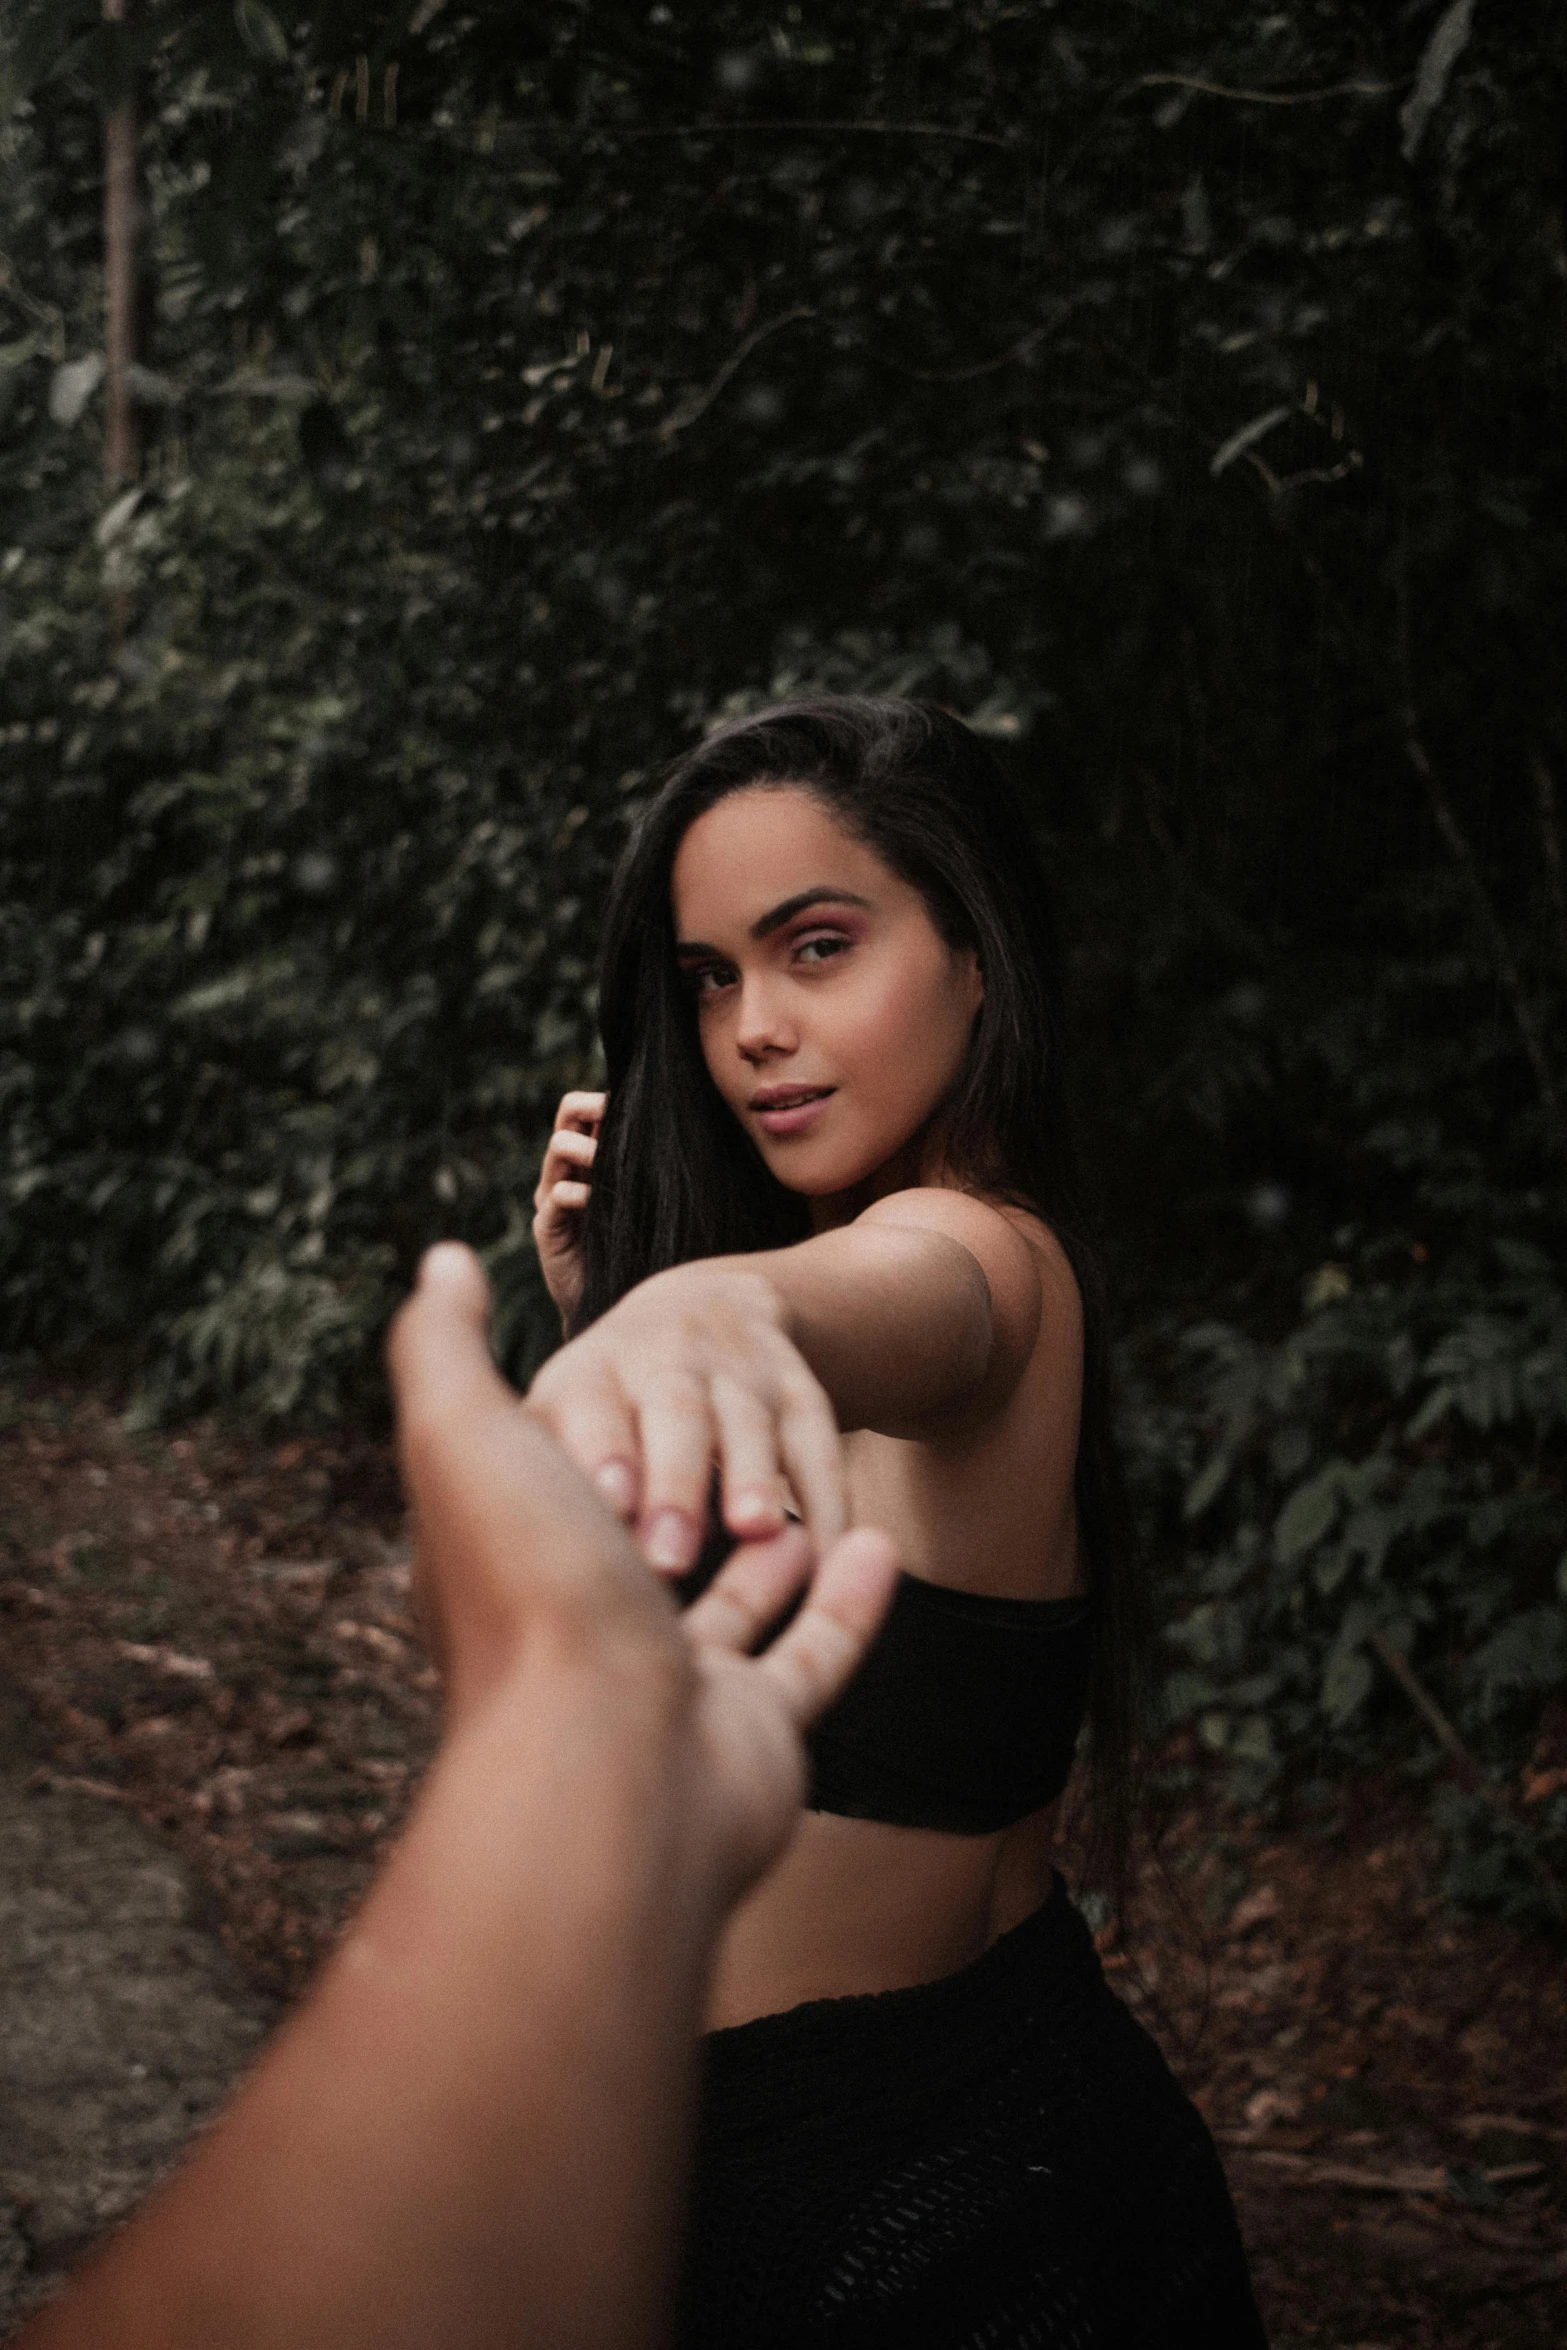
{"x":1277,"y":483}
{"x":1221,"y":918}
{"x":121,"y":452}
{"x":1191,"y":81}
{"x":1490,"y":922}
{"x":1461,"y":851}
{"x":967,"y":375}
{"x":1402,"y":706}
{"x":1449,"y":39}
{"x":1551,"y":843}
{"x":794,"y":125}
{"x":1302,"y":2170}
{"x":1474,"y":1778}
{"x":1469,"y":1770}
{"x":1426,"y":1706}
{"x":699,"y":402}
{"x":46,"y":314}
{"x":1404,"y":710}
{"x":69,"y":1783}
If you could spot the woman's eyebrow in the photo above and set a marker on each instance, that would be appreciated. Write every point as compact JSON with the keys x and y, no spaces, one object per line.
{"x":766,"y":924}
{"x":806,"y":897}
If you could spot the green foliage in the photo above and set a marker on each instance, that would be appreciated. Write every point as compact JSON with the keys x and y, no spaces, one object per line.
{"x":1386,"y":1474}
{"x":1175,"y":392}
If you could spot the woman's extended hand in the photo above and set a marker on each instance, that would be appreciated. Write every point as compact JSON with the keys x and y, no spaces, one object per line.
{"x":696,"y":1367}
{"x":561,"y":1196}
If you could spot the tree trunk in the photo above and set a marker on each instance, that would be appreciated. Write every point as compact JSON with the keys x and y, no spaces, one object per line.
{"x":121,"y":448}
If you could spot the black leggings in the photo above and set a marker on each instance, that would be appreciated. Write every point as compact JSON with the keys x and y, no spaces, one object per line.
{"x":998,"y":2161}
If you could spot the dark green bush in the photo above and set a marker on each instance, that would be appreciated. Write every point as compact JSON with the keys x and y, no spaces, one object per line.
{"x":1386,"y":1477}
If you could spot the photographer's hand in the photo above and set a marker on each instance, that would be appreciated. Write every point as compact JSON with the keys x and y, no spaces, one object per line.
{"x":474,"y":2130}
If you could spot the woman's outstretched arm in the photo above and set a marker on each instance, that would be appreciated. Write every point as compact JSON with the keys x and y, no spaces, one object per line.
{"x":927,"y":1300}
{"x":473,"y":2131}
{"x":928,"y":1303}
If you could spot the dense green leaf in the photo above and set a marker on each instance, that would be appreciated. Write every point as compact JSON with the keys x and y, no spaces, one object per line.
{"x":1308,"y":1514}
{"x":1346,"y":1684}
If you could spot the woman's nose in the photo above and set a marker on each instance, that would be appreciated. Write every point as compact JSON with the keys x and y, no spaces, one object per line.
{"x":763,"y":1027}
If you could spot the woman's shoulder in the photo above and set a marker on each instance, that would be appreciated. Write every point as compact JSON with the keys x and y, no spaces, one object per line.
{"x":997,"y":1221}
{"x":1027,"y":1269}
{"x":1057,"y":1273}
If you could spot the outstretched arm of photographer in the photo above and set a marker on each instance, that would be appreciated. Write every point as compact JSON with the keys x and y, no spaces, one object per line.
{"x":473,"y":2131}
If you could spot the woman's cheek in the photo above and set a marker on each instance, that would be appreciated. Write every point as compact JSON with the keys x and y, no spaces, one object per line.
{"x":719,"y":1063}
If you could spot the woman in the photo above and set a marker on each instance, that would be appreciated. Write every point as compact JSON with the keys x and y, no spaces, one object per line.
{"x":818,"y":1248}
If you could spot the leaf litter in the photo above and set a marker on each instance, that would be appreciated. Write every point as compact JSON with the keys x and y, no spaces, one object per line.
{"x":216,"y":1630}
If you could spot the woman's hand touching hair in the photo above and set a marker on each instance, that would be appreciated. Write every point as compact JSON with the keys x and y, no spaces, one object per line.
{"x":561,"y":1195}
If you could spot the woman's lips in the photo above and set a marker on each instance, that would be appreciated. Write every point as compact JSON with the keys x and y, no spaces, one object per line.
{"x":791,"y":1111}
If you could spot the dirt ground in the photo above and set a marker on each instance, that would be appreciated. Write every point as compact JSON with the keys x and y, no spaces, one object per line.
{"x":122,"y":2019}
{"x":218,"y":1706}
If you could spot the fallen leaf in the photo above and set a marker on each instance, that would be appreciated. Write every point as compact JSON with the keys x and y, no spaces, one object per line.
{"x":1403,"y":2179}
{"x":1254,"y":1909}
{"x":1271,"y":2105}
{"x":1480,"y":2125}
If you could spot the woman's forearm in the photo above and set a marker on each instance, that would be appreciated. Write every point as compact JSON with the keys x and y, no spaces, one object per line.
{"x":508,"y":2034}
{"x":895,"y":1322}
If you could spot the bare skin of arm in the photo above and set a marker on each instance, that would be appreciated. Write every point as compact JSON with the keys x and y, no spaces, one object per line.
{"x":926,"y":1307}
{"x":473,"y":2132}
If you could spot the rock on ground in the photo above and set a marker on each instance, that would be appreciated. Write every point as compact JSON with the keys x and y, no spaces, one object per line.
{"x":122,"y":2020}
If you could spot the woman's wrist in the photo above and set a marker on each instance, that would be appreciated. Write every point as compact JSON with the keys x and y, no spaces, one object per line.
{"x":742,"y":1285}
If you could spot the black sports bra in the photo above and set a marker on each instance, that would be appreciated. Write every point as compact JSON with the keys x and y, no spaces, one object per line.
{"x":964,"y":1716}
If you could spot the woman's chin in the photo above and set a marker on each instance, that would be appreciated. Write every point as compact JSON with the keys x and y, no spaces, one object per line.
{"x":818,"y":1175}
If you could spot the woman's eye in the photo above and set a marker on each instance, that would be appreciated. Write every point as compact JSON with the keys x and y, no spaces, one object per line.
{"x":821,"y":946}
{"x":708,"y":979}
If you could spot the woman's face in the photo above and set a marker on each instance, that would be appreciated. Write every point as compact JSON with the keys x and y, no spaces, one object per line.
{"x":834,"y":1016}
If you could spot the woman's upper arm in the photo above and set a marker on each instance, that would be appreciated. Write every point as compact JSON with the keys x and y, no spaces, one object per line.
{"x":1011,"y":1268}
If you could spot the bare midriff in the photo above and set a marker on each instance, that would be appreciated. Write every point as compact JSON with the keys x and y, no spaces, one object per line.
{"x":856,"y":1905}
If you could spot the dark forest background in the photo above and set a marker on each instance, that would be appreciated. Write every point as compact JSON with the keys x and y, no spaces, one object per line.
{"x":453,"y":408}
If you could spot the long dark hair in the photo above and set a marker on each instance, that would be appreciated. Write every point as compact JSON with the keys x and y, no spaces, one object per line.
{"x":675,"y":1176}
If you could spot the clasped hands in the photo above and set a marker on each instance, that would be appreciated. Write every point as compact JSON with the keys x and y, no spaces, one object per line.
{"x":695,"y":1367}
{"x":516,"y":1553}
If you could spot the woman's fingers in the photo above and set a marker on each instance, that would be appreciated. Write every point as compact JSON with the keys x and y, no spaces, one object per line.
{"x":748,"y":1454}
{"x":812,"y":1449}
{"x":577,"y":1150}
{"x":676,"y":1428}
{"x":594,"y":1424}
{"x":581,"y":1110}
{"x":814,"y":1661}
{"x":569,"y":1157}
